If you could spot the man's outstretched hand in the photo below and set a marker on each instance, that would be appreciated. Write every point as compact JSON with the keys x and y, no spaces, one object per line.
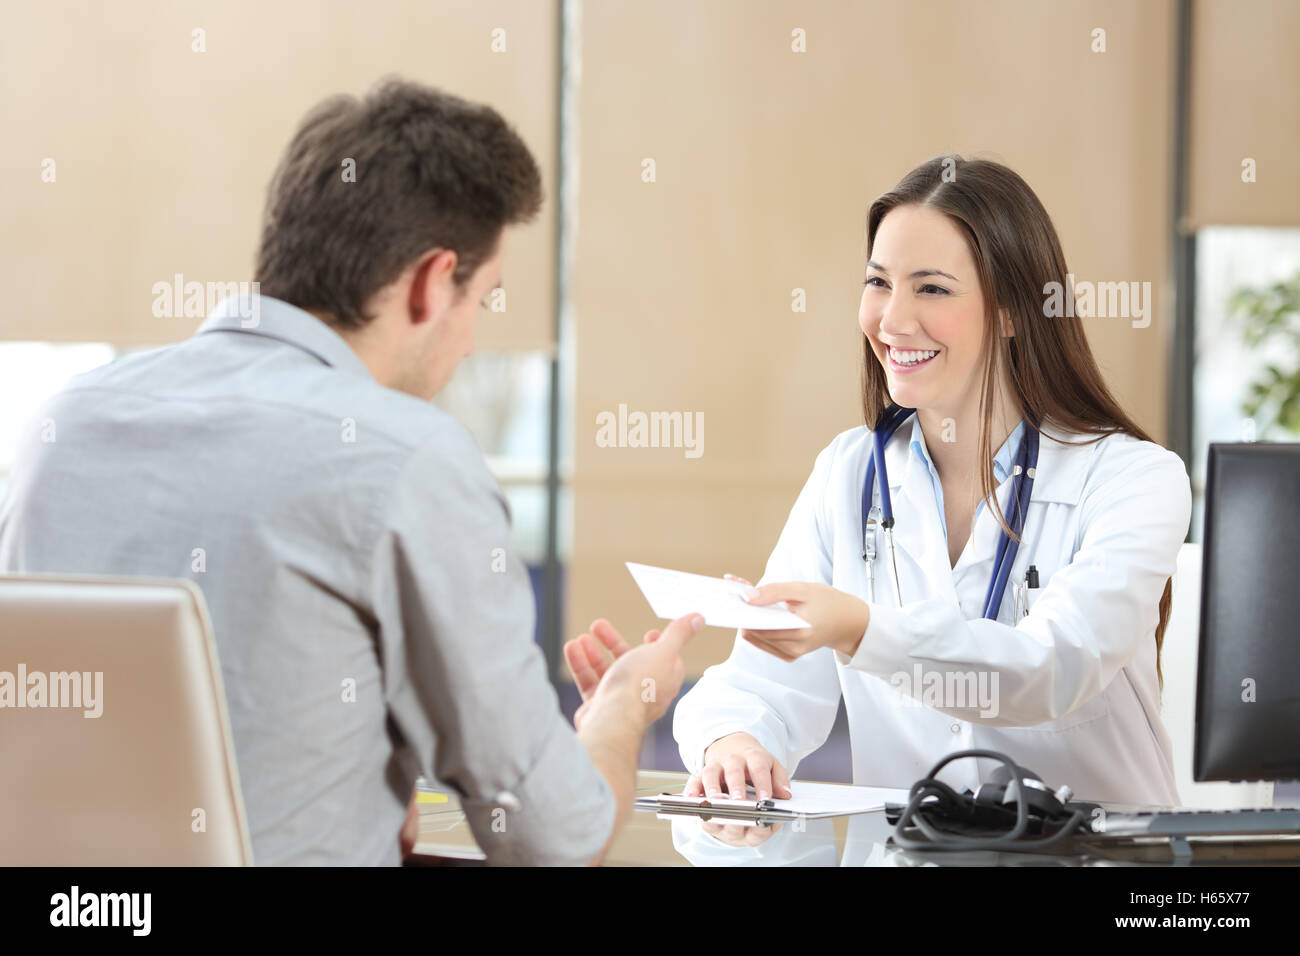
{"x":602,"y":661}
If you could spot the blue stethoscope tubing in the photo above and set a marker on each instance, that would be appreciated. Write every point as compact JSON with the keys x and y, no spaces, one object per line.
{"x":1017,"y":504}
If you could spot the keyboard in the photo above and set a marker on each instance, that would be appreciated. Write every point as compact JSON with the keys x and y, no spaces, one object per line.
{"x":1261,"y":821}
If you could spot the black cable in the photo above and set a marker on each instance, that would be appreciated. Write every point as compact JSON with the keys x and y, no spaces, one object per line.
{"x":951,"y":800}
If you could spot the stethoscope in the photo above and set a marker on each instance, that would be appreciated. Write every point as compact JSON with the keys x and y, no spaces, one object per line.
{"x":882,"y":517}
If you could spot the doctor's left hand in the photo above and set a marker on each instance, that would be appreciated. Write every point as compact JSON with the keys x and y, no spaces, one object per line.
{"x":837,"y":619}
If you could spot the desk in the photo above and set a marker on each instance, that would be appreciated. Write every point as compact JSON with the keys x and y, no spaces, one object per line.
{"x":858,"y":840}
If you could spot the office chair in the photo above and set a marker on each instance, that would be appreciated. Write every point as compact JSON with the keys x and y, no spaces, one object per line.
{"x":115,"y":747}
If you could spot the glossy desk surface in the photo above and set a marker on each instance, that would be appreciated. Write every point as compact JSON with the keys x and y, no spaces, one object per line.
{"x":857,"y":840}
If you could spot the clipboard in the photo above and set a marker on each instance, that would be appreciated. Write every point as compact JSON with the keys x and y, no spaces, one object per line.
{"x":674,"y":804}
{"x":764,"y":811}
{"x":811,"y":801}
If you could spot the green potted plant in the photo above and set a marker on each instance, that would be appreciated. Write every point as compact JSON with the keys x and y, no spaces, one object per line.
{"x":1268,"y":315}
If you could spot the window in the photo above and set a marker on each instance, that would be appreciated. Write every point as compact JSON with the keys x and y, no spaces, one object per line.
{"x":1228,"y":259}
{"x":503,"y":398}
{"x":31,"y":372}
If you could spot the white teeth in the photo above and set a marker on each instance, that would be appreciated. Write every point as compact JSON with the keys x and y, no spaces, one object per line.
{"x":912,"y":357}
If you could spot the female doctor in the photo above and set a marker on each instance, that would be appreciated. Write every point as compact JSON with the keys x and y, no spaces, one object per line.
{"x":929,"y":654}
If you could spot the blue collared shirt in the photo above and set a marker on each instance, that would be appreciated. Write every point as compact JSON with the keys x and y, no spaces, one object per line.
{"x":371,"y":619}
{"x":1001,"y":465}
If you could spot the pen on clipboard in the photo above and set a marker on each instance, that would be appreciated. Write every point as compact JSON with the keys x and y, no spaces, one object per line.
{"x":676,"y":799}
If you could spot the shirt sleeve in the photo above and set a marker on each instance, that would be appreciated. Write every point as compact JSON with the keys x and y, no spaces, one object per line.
{"x":1085,"y":626}
{"x":789,"y":708}
{"x":465,"y":682}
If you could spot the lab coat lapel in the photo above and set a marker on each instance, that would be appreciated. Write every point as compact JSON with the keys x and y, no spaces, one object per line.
{"x":1059,"y":477}
{"x":922,"y":555}
{"x":1062,"y":466}
{"x":918,"y":533}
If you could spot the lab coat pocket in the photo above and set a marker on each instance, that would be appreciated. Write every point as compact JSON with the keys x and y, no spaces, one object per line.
{"x":1043,"y":568}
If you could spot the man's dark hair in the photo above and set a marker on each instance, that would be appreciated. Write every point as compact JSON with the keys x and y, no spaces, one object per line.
{"x":431,"y":169}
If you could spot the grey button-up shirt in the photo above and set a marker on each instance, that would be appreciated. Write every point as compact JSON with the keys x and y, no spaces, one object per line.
{"x":371,"y":618}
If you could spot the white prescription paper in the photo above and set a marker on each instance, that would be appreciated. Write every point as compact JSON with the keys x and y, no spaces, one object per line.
{"x":674,"y":593}
{"x":832,"y":799}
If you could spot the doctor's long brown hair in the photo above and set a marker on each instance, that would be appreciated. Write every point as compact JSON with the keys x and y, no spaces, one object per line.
{"x":1052,"y":372}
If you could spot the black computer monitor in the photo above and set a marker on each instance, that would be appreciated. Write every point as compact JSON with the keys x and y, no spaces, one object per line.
{"x":1248,"y":681}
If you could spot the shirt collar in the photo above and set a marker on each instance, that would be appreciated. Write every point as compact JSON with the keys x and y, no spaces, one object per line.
{"x":1063,"y":462}
{"x":1001,"y":461}
{"x":275,"y":319}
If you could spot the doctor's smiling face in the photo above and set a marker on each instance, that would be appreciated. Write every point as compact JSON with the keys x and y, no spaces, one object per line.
{"x":922,"y":312}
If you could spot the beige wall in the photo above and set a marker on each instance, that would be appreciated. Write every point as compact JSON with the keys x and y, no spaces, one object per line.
{"x":1245,"y":104}
{"x":766,"y":163}
{"x":163,"y":154}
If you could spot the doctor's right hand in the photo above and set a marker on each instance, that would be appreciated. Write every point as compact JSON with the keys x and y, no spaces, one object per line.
{"x":736,"y":760}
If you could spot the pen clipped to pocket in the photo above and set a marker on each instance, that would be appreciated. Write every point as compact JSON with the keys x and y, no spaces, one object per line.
{"x":1026,"y":592}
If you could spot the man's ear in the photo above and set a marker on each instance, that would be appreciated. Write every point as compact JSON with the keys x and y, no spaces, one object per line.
{"x":432,"y":288}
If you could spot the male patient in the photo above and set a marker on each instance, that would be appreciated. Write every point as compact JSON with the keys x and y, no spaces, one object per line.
{"x":347,"y":534}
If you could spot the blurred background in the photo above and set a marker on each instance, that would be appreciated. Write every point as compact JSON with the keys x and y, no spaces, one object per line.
{"x":708,"y":166}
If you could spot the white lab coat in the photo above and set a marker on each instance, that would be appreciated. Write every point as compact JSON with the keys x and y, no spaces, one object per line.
{"x":1077,"y":699}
